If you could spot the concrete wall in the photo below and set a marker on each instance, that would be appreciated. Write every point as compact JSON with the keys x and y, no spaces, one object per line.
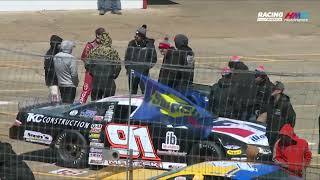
{"x":38,"y":5}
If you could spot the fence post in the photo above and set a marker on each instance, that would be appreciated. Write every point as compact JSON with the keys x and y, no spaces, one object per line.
{"x":129,"y":152}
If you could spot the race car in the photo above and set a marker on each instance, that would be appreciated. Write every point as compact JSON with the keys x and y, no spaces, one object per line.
{"x":98,"y":133}
{"x":228,"y":170}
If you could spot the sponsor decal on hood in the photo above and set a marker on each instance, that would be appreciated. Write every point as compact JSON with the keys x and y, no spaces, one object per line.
{"x":39,"y":118}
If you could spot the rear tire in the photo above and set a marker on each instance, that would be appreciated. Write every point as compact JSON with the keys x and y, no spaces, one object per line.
{"x":204,"y":151}
{"x":72,"y":150}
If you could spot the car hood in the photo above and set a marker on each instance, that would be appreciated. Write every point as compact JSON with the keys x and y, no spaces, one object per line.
{"x":247,"y":132}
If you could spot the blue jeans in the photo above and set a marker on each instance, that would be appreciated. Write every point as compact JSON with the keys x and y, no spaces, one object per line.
{"x":108,"y":4}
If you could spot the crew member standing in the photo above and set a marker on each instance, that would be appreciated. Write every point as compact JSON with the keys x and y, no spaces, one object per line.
{"x":87,"y":85}
{"x":49,"y":72}
{"x":67,"y":72}
{"x":140,"y":56}
{"x":277,"y":113}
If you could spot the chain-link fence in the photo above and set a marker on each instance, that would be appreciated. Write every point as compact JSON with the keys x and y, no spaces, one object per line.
{"x":170,"y":133}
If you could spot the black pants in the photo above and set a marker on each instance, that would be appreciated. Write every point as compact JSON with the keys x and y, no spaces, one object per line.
{"x":97,"y":94}
{"x":137,"y":82}
{"x":68,"y":94}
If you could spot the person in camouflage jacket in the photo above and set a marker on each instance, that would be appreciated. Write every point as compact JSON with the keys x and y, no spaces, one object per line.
{"x":104,"y":65}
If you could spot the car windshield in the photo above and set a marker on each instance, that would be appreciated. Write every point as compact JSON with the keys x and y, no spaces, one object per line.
{"x":279,"y":174}
{"x":168,"y":173}
{"x":60,"y":108}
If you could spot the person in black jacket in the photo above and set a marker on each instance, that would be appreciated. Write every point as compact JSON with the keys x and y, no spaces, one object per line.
{"x":221,"y":97}
{"x":140,"y":56}
{"x":104,"y":66}
{"x":243,"y":83}
{"x":264,"y":88}
{"x":185,"y":58}
{"x":49,"y":72}
{"x":277,"y":113}
{"x":168,"y":74}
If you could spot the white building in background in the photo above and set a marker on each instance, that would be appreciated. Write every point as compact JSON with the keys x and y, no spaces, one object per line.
{"x":39,"y":5}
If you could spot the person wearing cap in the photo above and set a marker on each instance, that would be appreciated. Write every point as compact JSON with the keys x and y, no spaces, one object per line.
{"x":66,"y":70}
{"x":264,"y":87}
{"x":184,"y":55}
{"x":276,"y":113}
{"x":49,"y":72}
{"x":105,"y":5}
{"x":168,"y":74}
{"x":87,"y":89}
{"x":104,"y":65}
{"x":140,"y":56}
{"x":292,"y":152}
{"x":221,"y":95}
{"x":235,"y":63}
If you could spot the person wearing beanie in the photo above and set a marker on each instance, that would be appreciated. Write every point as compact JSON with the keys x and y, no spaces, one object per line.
{"x":221,"y":95}
{"x":105,"y":5}
{"x":67,"y":71}
{"x":49,"y":72}
{"x":184,"y":55}
{"x":276,"y":113}
{"x":236,"y":64}
{"x":87,"y":89}
{"x":104,"y":65}
{"x":264,"y":87}
{"x":291,"y":152}
{"x":140,"y":56}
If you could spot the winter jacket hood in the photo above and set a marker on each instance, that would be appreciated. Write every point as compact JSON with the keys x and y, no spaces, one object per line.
{"x":55,"y":41}
{"x":67,"y":46}
{"x":104,"y":51}
{"x":181,"y":40}
{"x":237,"y":65}
{"x":106,"y":40}
{"x":288,"y":131}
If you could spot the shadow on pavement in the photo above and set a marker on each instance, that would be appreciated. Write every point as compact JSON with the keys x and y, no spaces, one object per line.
{"x":44,"y":155}
{"x":161,"y":2}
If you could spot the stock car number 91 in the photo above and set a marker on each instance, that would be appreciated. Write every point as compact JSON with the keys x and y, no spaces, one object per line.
{"x":139,"y":141}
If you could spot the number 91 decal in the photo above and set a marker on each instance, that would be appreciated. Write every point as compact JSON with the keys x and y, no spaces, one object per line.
{"x":139,"y":141}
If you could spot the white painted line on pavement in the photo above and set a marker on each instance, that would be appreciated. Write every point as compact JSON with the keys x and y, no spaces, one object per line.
{"x":4,"y":102}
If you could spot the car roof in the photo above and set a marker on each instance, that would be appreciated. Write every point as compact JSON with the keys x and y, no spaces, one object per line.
{"x":136,"y":100}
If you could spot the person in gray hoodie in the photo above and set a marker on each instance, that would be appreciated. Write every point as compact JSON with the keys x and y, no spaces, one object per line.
{"x":66,"y":70}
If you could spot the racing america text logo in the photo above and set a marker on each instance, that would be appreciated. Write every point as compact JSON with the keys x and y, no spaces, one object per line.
{"x":171,"y":142}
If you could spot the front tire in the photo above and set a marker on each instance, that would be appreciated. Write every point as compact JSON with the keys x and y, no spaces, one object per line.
{"x":72,"y":150}
{"x":204,"y":151}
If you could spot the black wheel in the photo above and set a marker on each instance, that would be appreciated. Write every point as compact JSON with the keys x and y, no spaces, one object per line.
{"x":204,"y":151}
{"x":72,"y":150}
